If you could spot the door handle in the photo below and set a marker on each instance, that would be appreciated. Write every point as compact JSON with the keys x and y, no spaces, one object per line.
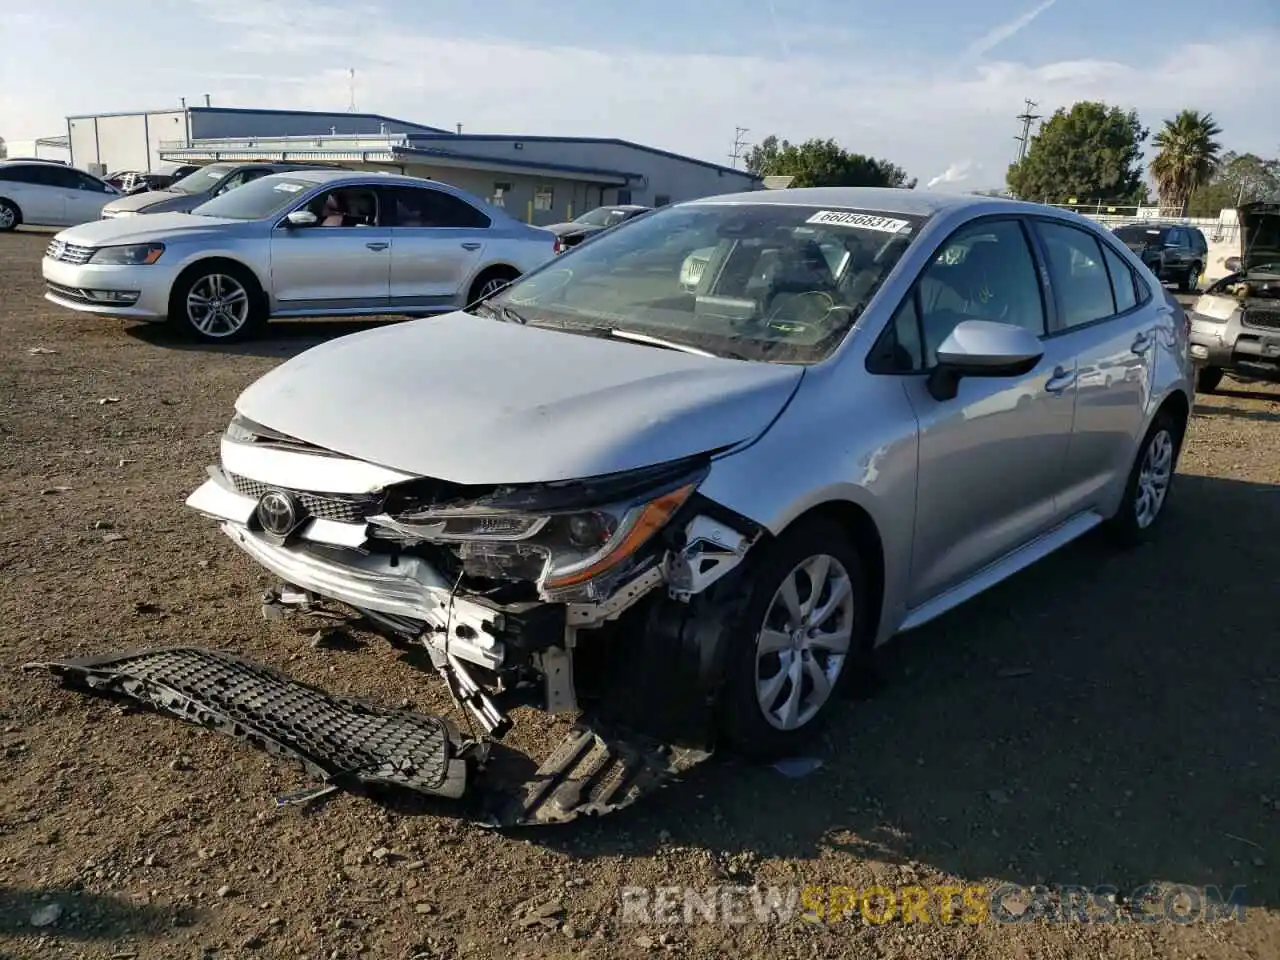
{"x":1141,"y":343}
{"x":1060,"y":381}
{"x":471,"y":245}
{"x":377,"y":245}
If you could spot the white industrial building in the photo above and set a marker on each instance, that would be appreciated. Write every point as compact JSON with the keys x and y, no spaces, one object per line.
{"x":540,"y":179}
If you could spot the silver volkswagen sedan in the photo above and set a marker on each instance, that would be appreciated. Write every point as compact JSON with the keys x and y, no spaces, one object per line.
{"x":296,"y":244}
{"x":695,"y":510}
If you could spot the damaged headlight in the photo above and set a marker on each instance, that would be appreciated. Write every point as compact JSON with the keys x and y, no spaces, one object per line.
{"x":563,"y":549}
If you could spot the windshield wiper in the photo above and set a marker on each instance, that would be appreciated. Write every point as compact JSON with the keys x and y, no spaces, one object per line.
{"x":657,"y":342}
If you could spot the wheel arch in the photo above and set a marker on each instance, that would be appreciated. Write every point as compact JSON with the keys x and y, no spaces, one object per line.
{"x":17,"y":208}
{"x":206,"y":262}
{"x":856,"y":522}
{"x":501,"y":267}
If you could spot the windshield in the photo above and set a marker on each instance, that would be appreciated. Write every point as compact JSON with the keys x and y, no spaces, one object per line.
{"x":772,"y":282}
{"x":603,"y":217}
{"x":203,"y":178}
{"x":256,"y":200}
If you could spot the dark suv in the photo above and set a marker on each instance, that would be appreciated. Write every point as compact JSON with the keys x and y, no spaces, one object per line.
{"x":1176,"y":253}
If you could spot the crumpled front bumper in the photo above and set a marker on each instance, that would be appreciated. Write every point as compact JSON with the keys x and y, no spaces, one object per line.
{"x":323,"y":560}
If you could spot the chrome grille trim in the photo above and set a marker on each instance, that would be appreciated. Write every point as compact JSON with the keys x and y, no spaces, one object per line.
{"x":68,"y":252}
{"x":342,"y":509}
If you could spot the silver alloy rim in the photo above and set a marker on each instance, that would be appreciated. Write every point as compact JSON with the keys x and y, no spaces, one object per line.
{"x":7,"y":216}
{"x":491,"y":287}
{"x":1153,"y":479}
{"x":803,"y":644}
{"x":218,"y":305}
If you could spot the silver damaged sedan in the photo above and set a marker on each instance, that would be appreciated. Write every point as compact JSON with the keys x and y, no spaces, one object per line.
{"x":297,"y":244}
{"x":687,"y":477}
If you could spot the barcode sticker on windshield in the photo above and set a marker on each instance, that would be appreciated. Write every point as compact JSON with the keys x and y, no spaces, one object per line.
{"x":862,"y":221}
{"x":289,"y":187}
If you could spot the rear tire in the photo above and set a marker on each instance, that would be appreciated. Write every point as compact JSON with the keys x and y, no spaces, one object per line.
{"x":1207,"y":379}
{"x":1146,"y":494}
{"x":1189,"y":283}
{"x":825,"y":571}
{"x":490,"y":282}
{"x":10,"y":216}
{"x":218,"y":303}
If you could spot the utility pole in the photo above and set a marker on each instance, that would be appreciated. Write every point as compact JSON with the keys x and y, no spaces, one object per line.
{"x":1026,"y":117}
{"x":738,"y":144}
{"x":351,"y":107}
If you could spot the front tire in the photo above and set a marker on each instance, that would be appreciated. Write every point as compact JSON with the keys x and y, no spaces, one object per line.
{"x":217,"y":303}
{"x":10,"y":216}
{"x":801,"y":636}
{"x":1147,"y":491}
{"x":1207,"y":379}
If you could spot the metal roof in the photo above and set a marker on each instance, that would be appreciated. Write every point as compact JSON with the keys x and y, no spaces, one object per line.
{"x":615,"y":141}
{"x":388,"y":152}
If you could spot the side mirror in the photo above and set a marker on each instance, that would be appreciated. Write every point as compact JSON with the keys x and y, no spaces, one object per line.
{"x":301,"y":218}
{"x":983,"y":348}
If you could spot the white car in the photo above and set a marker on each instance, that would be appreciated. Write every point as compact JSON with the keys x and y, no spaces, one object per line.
{"x":300,"y":244}
{"x":46,"y":193}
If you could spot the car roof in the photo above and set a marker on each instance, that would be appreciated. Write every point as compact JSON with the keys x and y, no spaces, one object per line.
{"x":911,"y":203}
{"x":318,"y":175}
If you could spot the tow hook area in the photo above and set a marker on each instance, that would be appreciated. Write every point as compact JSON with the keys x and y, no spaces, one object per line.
{"x":348,"y":743}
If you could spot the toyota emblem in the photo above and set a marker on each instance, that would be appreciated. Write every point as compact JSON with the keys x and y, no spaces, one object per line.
{"x":279,"y":513}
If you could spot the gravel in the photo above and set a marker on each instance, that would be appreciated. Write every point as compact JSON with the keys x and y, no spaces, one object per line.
{"x":1140,"y":736}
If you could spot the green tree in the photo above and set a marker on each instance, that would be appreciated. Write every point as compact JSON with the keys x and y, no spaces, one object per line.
{"x":1240,"y":178}
{"x":823,"y":163}
{"x":1187,"y":159}
{"x":1092,"y":152}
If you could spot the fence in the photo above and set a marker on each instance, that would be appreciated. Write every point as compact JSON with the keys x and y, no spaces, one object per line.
{"x":1223,"y":229}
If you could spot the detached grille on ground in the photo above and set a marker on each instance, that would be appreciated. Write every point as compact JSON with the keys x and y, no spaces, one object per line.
{"x":351,"y":509}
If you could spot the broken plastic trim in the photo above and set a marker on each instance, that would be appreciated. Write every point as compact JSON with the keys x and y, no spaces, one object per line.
{"x":348,"y":742}
{"x":339,"y":739}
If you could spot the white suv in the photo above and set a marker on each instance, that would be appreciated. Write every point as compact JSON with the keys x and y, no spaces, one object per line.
{"x":48,"y":193}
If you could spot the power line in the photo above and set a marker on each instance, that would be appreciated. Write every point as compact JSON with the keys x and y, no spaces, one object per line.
{"x":1026,"y":118}
{"x":738,"y":144}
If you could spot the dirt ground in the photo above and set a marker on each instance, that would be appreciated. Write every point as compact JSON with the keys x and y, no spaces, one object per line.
{"x":1104,"y":718}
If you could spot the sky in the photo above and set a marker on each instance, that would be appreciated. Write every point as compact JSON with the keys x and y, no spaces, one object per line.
{"x":932,"y":85}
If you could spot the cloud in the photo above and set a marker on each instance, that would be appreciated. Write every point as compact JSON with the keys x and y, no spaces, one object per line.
{"x":899,"y":104}
{"x":956,"y":173}
{"x":999,"y":34}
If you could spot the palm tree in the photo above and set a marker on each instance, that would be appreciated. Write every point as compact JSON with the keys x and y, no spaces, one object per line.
{"x":1187,"y":158}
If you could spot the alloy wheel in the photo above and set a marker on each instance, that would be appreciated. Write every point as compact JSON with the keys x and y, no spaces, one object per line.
{"x":1153,"y":479}
{"x":803,"y":644}
{"x":8,"y":217}
{"x":218,"y":305}
{"x":492,"y":286}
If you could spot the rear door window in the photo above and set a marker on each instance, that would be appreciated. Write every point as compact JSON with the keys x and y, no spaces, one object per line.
{"x":424,"y":207}
{"x":1123,"y":284}
{"x":1078,"y":275}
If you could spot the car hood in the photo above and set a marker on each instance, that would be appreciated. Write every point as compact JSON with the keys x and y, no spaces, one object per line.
{"x":142,"y":202}
{"x":1259,"y":234}
{"x":477,"y":401}
{"x":149,"y":229}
